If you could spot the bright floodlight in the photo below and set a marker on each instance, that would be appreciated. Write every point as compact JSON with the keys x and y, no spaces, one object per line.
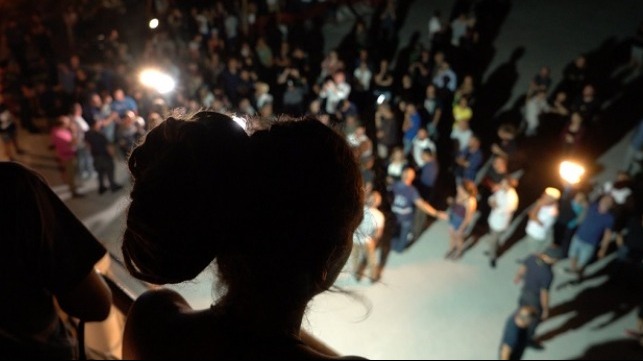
{"x":154,"y":23}
{"x":571,"y":172}
{"x":158,"y":81}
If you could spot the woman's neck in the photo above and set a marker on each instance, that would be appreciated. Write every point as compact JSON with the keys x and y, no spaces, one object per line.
{"x":265,"y":317}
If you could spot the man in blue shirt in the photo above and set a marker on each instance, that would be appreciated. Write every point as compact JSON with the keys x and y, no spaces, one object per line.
{"x":516,"y":334}
{"x":411,"y":126}
{"x":428,"y":174}
{"x":470,"y":161}
{"x":595,"y":231}
{"x":123,"y":103}
{"x":537,"y":277}
{"x":407,"y":198}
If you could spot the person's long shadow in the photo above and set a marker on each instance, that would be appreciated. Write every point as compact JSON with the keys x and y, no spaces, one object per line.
{"x":490,"y":16}
{"x":617,"y":119}
{"x":496,"y":91}
{"x":617,"y":297}
{"x":625,"y":349}
{"x":513,"y":240}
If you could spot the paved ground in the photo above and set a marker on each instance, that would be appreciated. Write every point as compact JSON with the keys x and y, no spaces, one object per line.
{"x":425,"y":307}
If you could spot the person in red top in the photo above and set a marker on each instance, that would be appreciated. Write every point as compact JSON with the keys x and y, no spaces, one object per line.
{"x":64,"y":141}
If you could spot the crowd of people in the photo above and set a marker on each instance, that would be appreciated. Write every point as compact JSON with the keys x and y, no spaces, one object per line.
{"x":420,"y":131}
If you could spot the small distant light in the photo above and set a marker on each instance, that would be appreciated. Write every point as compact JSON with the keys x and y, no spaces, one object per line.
{"x":159,"y":81}
{"x":381,"y":99}
{"x":154,"y":23}
{"x":571,"y":172}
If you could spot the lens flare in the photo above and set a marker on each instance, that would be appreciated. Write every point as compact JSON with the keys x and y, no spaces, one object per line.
{"x":571,"y":172}
{"x":157,"y":80}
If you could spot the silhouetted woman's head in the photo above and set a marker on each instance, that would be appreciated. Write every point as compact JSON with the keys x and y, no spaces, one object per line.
{"x":188,"y":197}
{"x":276,"y":210}
{"x":307,"y":201}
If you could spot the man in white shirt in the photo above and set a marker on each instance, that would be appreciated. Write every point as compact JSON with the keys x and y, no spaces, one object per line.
{"x":462,"y":133}
{"x":335,"y":91}
{"x":503,"y":203}
{"x":435,"y":25}
{"x":366,"y":238}
{"x":363,"y":77}
{"x":420,"y":143}
{"x":541,"y":220}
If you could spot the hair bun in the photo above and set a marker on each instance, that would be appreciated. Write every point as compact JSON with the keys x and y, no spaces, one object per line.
{"x":186,"y":197}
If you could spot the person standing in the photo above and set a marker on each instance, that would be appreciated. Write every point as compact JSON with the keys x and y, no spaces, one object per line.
{"x":103,"y":154}
{"x":595,"y":231}
{"x":515,"y":337}
{"x":541,"y":220}
{"x":428,"y":175}
{"x":83,"y":155}
{"x":573,"y":208}
{"x":387,"y":130}
{"x":503,"y":203}
{"x":537,"y":276}
{"x":366,"y":238}
{"x":407,"y":199}
{"x":469,"y":161}
{"x":63,"y":137}
{"x":460,"y":217}
{"x":411,"y":127}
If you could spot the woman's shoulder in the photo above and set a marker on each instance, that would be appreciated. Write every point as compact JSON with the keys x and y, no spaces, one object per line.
{"x":161,"y":300}
{"x":17,"y":169}
{"x":153,"y":322}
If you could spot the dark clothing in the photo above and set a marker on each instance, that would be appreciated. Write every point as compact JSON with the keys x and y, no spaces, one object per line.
{"x":588,"y":108}
{"x":516,"y":338}
{"x":475,"y":160}
{"x":572,"y":140}
{"x":632,"y":249}
{"x":574,"y":79}
{"x":98,"y":144}
{"x":404,"y":202}
{"x":594,"y":226}
{"x":539,"y":277}
{"x":429,"y":174}
{"x":103,"y":160}
{"x":390,"y":129}
{"x":566,"y":223}
{"x":46,"y":252}
{"x":542,"y":82}
{"x":634,"y":237}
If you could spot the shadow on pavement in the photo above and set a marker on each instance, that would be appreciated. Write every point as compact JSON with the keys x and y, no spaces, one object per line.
{"x":625,"y":349}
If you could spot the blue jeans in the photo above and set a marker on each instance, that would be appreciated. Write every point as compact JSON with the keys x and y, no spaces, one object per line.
{"x":582,"y":252}
{"x":408,"y":146}
{"x":403,"y":238}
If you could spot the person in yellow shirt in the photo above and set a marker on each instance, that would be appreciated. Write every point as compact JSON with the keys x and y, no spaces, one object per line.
{"x":462,"y":112}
